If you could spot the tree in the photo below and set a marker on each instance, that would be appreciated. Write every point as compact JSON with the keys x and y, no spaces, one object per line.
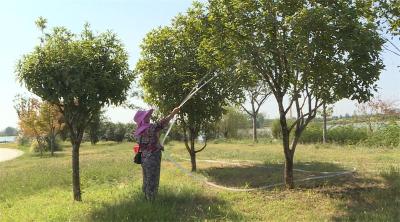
{"x":231,"y":122}
{"x":40,"y":120}
{"x":375,"y":108}
{"x":325,"y":113}
{"x":94,"y":128}
{"x":109,"y":131}
{"x":120,"y":131}
{"x":171,"y":66}
{"x":29,"y":120}
{"x":261,"y":120}
{"x":391,"y":11}
{"x":129,"y":134}
{"x":52,"y":122}
{"x":308,"y":52}
{"x":256,"y":95}
{"x":78,"y":73}
{"x":386,"y":14}
{"x":10,"y":131}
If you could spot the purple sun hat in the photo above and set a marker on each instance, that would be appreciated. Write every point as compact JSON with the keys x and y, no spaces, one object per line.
{"x":139,"y":118}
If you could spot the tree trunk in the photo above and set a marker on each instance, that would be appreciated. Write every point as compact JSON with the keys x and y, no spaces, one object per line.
{"x":192,"y":151}
{"x":289,"y":183}
{"x":76,"y":182}
{"x":40,"y":145}
{"x":369,"y":123}
{"x":324,"y":130}
{"x":193,"y":160}
{"x":52,"y":143}
{"x":255,"y":128}
{"x":288,"y":172}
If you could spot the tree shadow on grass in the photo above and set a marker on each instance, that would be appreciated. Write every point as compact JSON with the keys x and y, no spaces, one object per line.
{"x":370,"y":200}
{"x":256,"y":176}
{"x":57,"y":154}
{"x":169,"y":206}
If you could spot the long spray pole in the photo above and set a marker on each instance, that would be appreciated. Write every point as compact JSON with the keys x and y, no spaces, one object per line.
{"x":189,"y":96}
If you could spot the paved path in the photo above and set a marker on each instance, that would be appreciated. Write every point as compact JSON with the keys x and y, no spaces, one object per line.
{"x":9,"y":154}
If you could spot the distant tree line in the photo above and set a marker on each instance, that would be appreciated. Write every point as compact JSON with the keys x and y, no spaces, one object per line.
{"x":109,"y":131}
{"x":102,"y":129}
{"x":42,"y":127}
{"x":9,"y":131}
{"x":233,"y":121}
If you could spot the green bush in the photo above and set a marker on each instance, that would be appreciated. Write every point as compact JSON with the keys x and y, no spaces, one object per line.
{"x":339,"y":134}
{"x":230,"y":123}
{"x":36,"y":147}
{"x":44,"y":146}
{"x":386,"y":136}
{"x":57,"y":144}
{"x":312,"y":134}
{"x":23,"y":140}
{"x":347,"y":134}
{"x":276,"y":130}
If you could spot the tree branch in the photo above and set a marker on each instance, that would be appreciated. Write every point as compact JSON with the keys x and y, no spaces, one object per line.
{"x":205,"y":144}
{"x":244,"y":108}
{"x":185,"y":138}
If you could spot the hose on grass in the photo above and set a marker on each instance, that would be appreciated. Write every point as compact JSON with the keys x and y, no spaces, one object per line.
{"x":203,"y":179}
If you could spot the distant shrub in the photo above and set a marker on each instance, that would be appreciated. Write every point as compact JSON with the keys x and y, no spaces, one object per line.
{"x":386,"y":136}
{"x":23,"y":140}
{"x":57,"y":144}
{"x":347,"y":134}
{"x":276,"y":129}
{"x":312,"y":134}
{"x":36,"y":147}
{"x":44,"y":146}
{"x":230,"y":123}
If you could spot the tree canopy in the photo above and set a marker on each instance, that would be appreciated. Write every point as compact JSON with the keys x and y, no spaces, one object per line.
{"x":78,"y":73}
{"x":308,"y":52}
{"x":171,"y":64}
{"x":39,"y":120}
{"x":9,"y":131}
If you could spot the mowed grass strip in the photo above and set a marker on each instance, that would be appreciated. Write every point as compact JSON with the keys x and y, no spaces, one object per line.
{"x":34,"y":188}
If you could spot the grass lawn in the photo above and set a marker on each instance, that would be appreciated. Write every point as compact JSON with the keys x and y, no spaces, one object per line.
{"x":34,"y":188}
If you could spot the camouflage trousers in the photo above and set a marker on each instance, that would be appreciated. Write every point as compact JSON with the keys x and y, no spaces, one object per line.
{"x":151,"y":163}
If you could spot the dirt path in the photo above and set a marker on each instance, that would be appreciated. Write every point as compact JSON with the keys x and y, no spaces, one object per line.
{"x":9,"y":154}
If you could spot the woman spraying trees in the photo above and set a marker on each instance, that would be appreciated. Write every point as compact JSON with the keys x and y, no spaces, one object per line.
{"x":147,"y":135}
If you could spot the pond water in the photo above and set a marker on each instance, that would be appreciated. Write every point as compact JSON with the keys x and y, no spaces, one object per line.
{"x":7,"y":139}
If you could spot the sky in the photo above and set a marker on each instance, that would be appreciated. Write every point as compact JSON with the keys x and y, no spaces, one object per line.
{"x":131,"y":20}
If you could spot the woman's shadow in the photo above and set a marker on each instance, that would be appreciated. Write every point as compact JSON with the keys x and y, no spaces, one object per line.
{"x":168,"y":206}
